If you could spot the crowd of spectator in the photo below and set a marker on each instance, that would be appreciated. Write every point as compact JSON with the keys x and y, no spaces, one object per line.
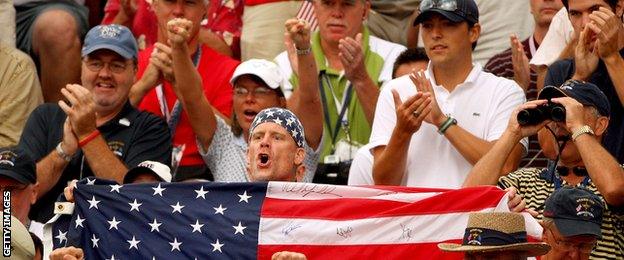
{"x":523,"y":95}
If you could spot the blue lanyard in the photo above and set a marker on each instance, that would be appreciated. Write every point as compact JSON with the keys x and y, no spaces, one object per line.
{"x":345,"y":103}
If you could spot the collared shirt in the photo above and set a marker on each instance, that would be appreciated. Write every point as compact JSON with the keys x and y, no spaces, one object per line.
{"x":379,"y":57}
{"x":132,"y":135}
{"x":535,"y":190}
{"x":482,"y":105}
{"x":20,"y":93}
{"x":227,"y":153}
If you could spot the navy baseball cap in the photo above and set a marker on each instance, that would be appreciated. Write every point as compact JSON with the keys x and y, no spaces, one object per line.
{"x":114,"y":37}
{"x":575,"y":211}
{"x":454,"y":10}
{"x":585,"y":93}
{"x":17,"y":165}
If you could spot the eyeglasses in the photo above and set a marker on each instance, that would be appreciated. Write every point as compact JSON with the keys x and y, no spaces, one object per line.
{"x":114,"y":66}
{"x":571,"y":246}
{"x":446,"y":5}
{"x":568,"y":246}
{"x":13,"y":188}
{"x":257,"y":92}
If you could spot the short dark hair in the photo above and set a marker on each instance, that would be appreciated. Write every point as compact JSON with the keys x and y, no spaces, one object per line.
{"x":409,"y":56}
{"x":611,"y":3}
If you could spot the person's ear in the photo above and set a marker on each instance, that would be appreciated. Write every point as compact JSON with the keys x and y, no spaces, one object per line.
{"x":601,"y":125}
{"x":282,"y":102}
{"x":474,"y":32}
{"x":367,"y":7}
{"x":34,"y":193}
{"x":298,"y":162}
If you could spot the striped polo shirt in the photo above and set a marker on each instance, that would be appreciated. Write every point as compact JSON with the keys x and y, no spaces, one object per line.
{"x":535,"y":189}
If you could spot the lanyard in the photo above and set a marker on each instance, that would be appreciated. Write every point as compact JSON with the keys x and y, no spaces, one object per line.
{"x":173,"y":118}
{"x":342,"y":107}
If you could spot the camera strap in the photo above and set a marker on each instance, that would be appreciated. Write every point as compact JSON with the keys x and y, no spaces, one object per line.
{"x":333,"y":131}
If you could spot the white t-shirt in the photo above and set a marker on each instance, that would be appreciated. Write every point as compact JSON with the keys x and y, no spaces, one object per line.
{"x":559,"y":34}
{"x":361,"y":171}
{"x":482,"y":106}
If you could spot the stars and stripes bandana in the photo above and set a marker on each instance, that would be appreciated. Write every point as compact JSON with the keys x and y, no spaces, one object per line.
{"x":283,"y":117}
{"x":207,"y":220}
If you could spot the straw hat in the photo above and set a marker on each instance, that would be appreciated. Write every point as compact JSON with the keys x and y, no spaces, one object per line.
{"x":496,"y":231}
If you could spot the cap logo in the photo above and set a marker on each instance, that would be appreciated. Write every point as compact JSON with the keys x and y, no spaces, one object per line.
{"x":566,"y":87}
{"x":8,"y":158}
{"x":109,"y":31}
{"x":584,"y":206}
{"x":475,"y":237}
{"x":117,"y":147}
{"x":147,"y":165}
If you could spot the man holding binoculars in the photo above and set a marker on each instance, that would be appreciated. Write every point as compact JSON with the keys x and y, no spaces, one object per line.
{"x":581,"y":159}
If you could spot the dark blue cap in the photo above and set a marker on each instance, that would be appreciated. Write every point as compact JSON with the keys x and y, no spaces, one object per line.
{"x":454,"y":10}
{"x":585,"y":93}
{"x":117,"y":38}
{"x":17,"y":165}
{"x":576,"y":211}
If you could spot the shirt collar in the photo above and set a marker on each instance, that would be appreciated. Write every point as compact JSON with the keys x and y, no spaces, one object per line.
{"x":471,"y":80}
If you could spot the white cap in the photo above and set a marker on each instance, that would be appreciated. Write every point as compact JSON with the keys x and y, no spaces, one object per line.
{"x":162,"y":171}
{"x":266,"y":70}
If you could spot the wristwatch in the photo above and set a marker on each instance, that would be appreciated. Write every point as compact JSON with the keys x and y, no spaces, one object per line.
{"x":582,"y":130}
{"x":62,"y":153}
{"x":304,"y":51}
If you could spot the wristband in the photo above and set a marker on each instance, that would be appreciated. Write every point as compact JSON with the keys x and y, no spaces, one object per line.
{"x":304,"y":51}
{"x":580,"y":131}
{"x":89,"y":138}
{"x":448,"y":123}
{"x":62,"y":153}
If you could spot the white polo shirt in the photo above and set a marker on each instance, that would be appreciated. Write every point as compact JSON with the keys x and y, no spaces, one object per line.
{"x":482,"y":106}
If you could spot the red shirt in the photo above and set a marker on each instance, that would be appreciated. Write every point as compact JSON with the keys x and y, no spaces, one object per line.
{"x":215,"y":70}
{"x":259,"y":2}
{"x":143,"y":24}
{"x":225,"y":18}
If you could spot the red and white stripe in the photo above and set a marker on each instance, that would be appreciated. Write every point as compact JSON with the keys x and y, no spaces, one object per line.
{"x":342,"y":222}
{"x":306,"y":12}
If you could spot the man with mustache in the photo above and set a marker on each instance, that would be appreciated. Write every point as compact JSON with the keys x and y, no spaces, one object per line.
{"x":353,"y":65}
{"x":96,"y":132}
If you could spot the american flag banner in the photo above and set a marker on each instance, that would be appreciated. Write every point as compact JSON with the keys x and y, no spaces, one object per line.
{"x":306,"y":12}
{"x":206,"y":220}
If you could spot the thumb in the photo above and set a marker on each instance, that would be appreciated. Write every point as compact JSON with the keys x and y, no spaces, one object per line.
{"x":397,"y":99}
{"x":358,"y":38}
{"x":532,"y":212}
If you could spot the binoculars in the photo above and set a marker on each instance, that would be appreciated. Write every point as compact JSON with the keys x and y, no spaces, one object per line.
{"x":533,"y":116}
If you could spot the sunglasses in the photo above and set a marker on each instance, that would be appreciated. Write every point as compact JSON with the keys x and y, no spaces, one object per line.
{"x":578,"y":171}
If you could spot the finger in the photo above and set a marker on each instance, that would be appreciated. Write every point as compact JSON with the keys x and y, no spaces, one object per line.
{"x":162,"y":48}
{"x":396,"y":98}
{"x":597,"y":19}
{"x":358,"y":39}
{"x":425,"y":111}
{"x":532,"y":212}
{"x":67,"y":109}
{"x":159,"y":64}
{"x":415,"y":106}
{"x":344,"y":60}
{"x":350,"y":44}
{"x":344,"y":50}
{"x":520,"y":206}
{"x":410,"y":101}
{"x":70,"y":96}
{"x":414,"y":77}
